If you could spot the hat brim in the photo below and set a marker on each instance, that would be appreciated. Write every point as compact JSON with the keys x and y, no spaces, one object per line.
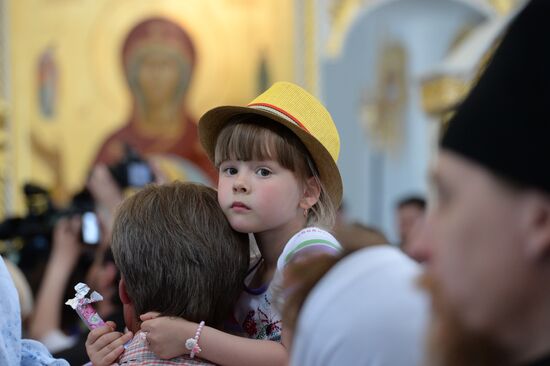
{"x":212,"y":122}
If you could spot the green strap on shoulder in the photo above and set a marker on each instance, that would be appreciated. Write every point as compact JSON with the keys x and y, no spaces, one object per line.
{"x":307,"y":243}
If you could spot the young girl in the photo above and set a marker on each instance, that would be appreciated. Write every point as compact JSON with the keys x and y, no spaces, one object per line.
{"x":278,"y":179}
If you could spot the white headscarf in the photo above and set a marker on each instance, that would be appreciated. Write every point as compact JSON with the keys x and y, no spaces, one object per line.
{"x":13,"y":349}
{"x":367,"y":310}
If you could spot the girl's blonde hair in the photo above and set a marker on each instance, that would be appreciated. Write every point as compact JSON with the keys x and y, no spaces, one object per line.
{"x":252,"y":137}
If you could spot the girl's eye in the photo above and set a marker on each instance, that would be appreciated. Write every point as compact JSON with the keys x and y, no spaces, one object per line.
{"x":230,"y":171}
{"x":263,"y":172}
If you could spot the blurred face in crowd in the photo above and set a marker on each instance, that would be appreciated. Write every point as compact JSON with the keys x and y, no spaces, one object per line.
{"x":408,"y":217}
{"x":415,"y":247}
{"x":487,"y":240}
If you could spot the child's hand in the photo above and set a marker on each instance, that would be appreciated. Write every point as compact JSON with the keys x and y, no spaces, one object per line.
{"x":104,"y":346}
{"x":166,"y":335}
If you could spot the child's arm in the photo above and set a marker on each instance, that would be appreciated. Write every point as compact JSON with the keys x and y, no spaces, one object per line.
{"x":167,"y":336}
{"x":104,"y":346}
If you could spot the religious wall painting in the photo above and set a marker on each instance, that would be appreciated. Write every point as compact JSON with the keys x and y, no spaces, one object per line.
{"x":62,"y":123}
{"x":158,"y":59}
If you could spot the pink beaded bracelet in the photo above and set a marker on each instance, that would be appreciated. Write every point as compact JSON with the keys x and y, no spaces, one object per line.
{"x":192,"y":344}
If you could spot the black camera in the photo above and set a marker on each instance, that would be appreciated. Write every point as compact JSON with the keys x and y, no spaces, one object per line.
{"x":132,"y":170}
{"x":39,"y":220}
{"x":36,"y":228}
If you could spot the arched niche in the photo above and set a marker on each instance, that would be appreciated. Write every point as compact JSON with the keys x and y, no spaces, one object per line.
{"x":380,"y":167}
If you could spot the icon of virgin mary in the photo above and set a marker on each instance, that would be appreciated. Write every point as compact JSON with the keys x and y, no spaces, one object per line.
{"x":158,"y":60}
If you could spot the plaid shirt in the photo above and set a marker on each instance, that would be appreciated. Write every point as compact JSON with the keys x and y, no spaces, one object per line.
{"x":137,"y":353}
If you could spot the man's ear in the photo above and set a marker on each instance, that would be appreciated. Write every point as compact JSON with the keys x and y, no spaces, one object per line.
{"x":538,"y":226}
{"x":123,"y":293}
{"x":312,"y":192}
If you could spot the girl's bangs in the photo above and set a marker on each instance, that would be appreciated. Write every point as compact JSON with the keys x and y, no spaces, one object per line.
{"x":246,"y":141}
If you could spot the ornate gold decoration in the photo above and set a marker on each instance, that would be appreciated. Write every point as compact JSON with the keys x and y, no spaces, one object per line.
{"x":440,"y":94}
{"x":504,"y":7}
{"x":383,"y":110}
{"x":443,"y":93}
{"x":342,"y":15}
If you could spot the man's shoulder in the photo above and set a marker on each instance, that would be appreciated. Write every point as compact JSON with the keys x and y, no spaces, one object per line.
{"x":138,"y":353}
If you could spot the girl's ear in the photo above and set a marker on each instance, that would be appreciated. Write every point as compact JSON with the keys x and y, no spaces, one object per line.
{"x":312,"y":192}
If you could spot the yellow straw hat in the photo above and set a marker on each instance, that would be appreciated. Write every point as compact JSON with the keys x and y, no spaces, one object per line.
{"x":299,"y":111}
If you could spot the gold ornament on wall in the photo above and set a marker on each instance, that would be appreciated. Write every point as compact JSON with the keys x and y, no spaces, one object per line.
{"x":382,"y":109}
{"x":504,"y":7}
{"x":342,"y":15}
{"x":444,"y":90}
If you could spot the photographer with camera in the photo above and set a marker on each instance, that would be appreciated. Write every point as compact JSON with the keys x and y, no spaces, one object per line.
{"x":65,"y":253}
{"x":72,"y":238}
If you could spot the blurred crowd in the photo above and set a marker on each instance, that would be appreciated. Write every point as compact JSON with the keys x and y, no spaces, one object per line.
{"x":466,"y":283}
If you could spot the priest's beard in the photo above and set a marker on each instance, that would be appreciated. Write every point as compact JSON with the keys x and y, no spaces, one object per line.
{"x":449,"y":342}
